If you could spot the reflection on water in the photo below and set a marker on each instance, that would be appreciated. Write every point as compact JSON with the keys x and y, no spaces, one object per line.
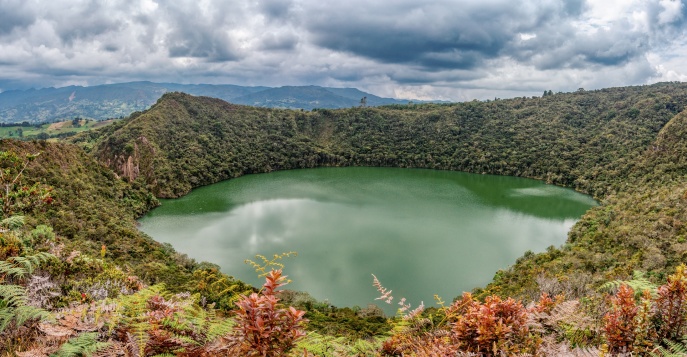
{"x":421,"y":232}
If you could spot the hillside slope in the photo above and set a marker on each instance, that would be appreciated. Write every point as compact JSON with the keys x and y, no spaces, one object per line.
{"x":92,"y":207}
{"x":641,"y":227}
{"x":186,"y":141}
{"x":618,"y":144}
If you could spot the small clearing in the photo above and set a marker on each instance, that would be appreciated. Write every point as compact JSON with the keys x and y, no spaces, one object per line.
{"x":103,"y":123}
{"x":58,"y":126}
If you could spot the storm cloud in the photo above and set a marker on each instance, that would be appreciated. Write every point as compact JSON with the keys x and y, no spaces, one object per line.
{"x":442,"y":49}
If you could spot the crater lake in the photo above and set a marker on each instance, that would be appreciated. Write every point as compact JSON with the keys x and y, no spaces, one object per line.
{"x":421,"y":232}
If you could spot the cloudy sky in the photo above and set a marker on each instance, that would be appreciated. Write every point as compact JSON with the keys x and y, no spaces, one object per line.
{"x":440,"y":49}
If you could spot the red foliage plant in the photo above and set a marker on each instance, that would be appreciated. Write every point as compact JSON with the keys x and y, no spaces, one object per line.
{"x":620,"y":324}
{"x":546,"y":303}
{"x":263,"y":328}
{"x":495,"y":327}
{"x":671,"y":306}
{"x":630,"y":327}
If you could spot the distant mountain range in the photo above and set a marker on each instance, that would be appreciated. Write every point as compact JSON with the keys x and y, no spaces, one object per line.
{"x":119,"y":100}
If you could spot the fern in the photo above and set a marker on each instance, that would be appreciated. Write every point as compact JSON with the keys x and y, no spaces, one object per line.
{"x":31,"y":262}
{"x":675,"y":349}
{"x":134,"y":306}
{"x":11,"y":270}
{"x":207,"y":323}
{"x":316,"y":344}
{"x":13,"y":297}
{"x":40,"y":290}
{"x":20,"y":267}
{"x":13,"y":222}
{"x":129,"y":314}
{"x":82,"y":345}
{"x":140,"y":336}
{"x":134,"y":315}
{"x":20,"y":315}
{"x":26,"y":313}
{"x":193,"y":327}
{"x":365,"y":347}
{"x":115,"y":318}
{"x":638,"y":283}
{"x":264,"y":268}
{"x":217,"y":328}
{"x":320,"y":345}
{"x":157,"y":322}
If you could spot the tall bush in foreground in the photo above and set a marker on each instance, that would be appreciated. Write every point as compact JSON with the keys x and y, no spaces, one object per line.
{"x":620,"y":323}
{"x":656,"y":320}
{"x":671,"y":306}
{"x":495,"y":327}
{"x":263,"y":328}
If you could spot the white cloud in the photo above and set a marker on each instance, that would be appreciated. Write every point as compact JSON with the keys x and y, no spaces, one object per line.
{"x":445,"y":49}
{"x":671,"y":12}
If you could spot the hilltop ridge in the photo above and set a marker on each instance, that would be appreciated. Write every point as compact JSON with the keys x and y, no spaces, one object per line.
{"x":121,"y":99}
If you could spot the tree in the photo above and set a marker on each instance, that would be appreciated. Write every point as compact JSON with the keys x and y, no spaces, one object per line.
{"x":15,"y":196}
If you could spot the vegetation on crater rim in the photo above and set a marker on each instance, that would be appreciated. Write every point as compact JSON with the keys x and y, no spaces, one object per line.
{"x":625,"y":146}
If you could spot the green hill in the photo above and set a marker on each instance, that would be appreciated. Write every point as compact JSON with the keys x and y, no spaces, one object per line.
{"x":92,"y":207}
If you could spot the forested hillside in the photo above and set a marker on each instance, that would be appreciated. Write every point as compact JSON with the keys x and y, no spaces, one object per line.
{"x":90,"y":207}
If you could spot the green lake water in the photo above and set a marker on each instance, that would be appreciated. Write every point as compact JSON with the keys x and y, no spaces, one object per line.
{"x":421,"y":232}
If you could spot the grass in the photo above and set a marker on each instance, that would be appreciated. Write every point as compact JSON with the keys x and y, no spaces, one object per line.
{"x":51,"y":130}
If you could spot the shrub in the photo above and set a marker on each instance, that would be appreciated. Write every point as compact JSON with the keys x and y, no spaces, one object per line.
{"x":620,"y":323}
{"x":671,"y":306}
{"x":495,"y":327}
{"x":263,"y":328}
{"x":154,"y":321}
